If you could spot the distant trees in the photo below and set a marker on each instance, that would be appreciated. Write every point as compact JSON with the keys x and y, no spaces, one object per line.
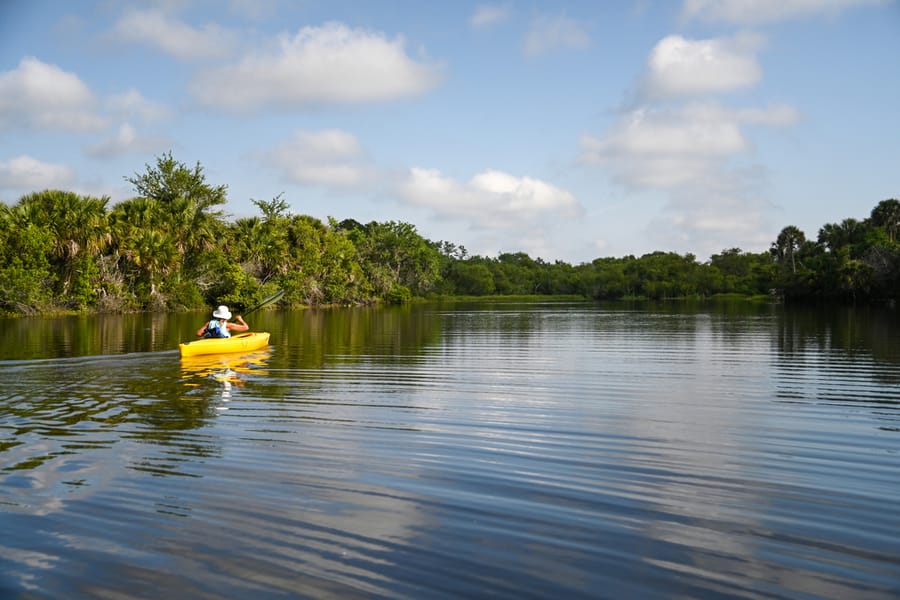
{"x":851,"y":260}
{"x":170,"y":248}
{"x":399,"y":262}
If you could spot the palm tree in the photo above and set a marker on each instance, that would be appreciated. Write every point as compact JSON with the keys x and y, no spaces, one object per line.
{"x":263,"y":244}
{"x":77,"y":224}
{"x":787,"y":245}
{"x":195,"y":229}
{"x":847,"y":233}
{"x":155,"y":253}
{"x":887,"y":215}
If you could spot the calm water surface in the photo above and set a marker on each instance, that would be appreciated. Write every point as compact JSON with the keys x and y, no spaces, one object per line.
{"x":456,"y":451}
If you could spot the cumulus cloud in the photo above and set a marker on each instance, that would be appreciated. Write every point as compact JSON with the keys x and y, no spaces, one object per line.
{"x":317,"y":66}
{"x":670,"y":148}
{"x":489,"y":15}
{"x":757,"y":12}
{"x":685,"y":144}
{"x":127,"y":140}
{"x":330,"y":158}
{"x":37,"y":95}
{"x":27,"y":174}
{"x":662,"y":149}
{"x":680,"y":67}
{"x":131,"y":104}
{"x":776,"y":115}
{"x":691,"y":153}
{"x":549,"y":33}
{"x":491,"y":199}
{"x":175,"y":37}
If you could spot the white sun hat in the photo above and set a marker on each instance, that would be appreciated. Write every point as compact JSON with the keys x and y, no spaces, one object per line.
{"x":222,"y":312}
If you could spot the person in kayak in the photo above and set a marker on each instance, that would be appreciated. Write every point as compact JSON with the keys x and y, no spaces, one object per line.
{"x":219,"y":327}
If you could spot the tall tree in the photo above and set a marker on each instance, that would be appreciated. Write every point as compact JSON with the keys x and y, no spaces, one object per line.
{"x":171,"y":179}
{"x":787,"y":245}
{"x":848,"y":232}
{"x":186,"y":202}
{"x":78,"y":229}
{"x":887,"y":215}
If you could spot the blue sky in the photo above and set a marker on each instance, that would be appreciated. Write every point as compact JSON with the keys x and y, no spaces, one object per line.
{"x":567,"y":130}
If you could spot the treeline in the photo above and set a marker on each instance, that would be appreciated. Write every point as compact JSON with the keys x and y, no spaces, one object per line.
{"x":171,"y":248}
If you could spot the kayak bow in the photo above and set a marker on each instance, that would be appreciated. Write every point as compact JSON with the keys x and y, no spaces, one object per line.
{"x":242,"y":342}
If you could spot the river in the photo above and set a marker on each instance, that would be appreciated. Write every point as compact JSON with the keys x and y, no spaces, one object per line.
{"x":541,"y":450}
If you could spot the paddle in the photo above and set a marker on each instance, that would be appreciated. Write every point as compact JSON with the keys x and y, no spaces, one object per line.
{"x":273,"y":298}
{"x":267,"y":301}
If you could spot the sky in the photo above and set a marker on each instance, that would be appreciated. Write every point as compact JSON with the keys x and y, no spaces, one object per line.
{"x":568,"y":130}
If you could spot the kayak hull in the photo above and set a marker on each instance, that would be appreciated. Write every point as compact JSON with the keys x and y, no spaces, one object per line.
{"x":242,"y":342}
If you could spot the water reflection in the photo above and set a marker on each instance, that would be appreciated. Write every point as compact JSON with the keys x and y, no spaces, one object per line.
{"x":229,"y":370}
{"x":92,"y":335}
{"x":58,"y":417}
{"x":840,"y":357}
{"x":225,"y":366}
{"x":309,"y":338}
{"x":461,"y":451}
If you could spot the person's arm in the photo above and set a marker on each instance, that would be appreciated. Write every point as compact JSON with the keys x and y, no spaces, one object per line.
{"x":202,"y":330}
{"x":240,"y":326}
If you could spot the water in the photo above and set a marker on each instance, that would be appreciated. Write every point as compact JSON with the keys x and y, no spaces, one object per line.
{"x":456,"y":451}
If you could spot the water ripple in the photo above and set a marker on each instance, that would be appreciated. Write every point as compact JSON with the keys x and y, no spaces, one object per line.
{"x":521,"y":454}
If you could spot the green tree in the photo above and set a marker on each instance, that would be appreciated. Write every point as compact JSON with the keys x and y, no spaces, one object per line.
{"x":262,"y":242}
{"x":848,"y":233}
{"x":394,"y":254}
{"x":182,"y":205}
{"x":887,"y":216}
{"x":170,"y":180}
{"x":606,"y":279}
{"x":473,"y":278}
{"x":661,"y":275}
{"x":26,"y":276}
{"x":787,"y":246}
{"x":77,"y":226}
{"x":185,"y":203}
{"x":743,"y":272}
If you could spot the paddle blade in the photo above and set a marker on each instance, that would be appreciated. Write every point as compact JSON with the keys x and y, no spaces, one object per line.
{"x":271,"y":299}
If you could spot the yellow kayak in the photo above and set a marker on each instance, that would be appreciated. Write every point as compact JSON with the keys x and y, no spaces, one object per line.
{"x":242,"y":342}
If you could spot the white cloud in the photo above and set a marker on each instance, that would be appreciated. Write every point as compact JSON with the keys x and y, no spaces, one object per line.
{"x":492,"y":199}
{"x":317,"y":66}
{"x":672,"y":148}
{"x":756,"y":12}
{"x":777,"y":115}
{"x":680,"y":67}
{"x":132,"y":104}
{"x":126,"y":141}
{"x":662,"y":149}
{"x":555,"y":33}
{"x":488,"y":15}
{"x":330,"y":158}
{"x":27,"y":174}
{"x":691,"y":153}
{"x":37,"y":95}
{"x":499,"y":211}
{"x":175,"y":37}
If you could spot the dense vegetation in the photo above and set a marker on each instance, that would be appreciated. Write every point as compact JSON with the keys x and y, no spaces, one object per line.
{"x":172,"y":248}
